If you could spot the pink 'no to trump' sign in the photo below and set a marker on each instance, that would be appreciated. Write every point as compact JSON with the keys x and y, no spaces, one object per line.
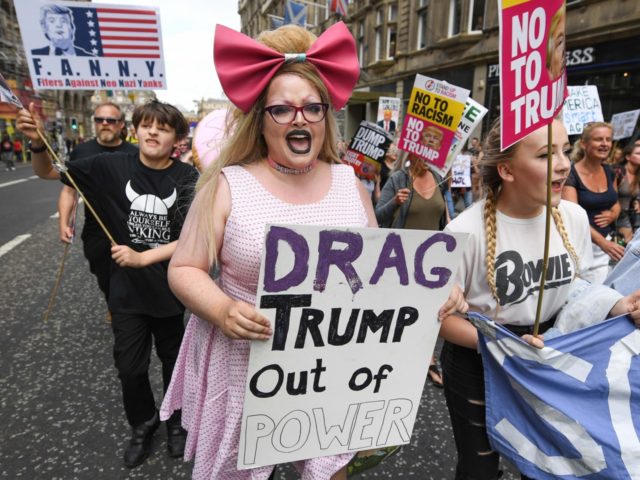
{"x":532,"y":64}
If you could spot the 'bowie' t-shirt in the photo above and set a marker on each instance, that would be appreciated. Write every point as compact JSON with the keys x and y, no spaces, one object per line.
{"x":143,"y":208}
{"x":518,"y":263}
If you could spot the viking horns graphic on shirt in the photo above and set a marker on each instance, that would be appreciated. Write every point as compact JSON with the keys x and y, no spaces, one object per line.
{"x":150,"y":203}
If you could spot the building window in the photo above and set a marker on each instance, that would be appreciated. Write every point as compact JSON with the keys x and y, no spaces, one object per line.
{"x":476,"y":15}
{"x":361,"y":43}
{"x":393,"y":12}
{"x":455,"y":16}
{"x":391,"y":41}
{"x":423,"y":12}
{"x":379,"y":26}
{"x":392,"y":17}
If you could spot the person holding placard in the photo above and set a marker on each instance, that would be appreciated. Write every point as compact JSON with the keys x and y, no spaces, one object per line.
{"x":591,"y":184}
{"x":279,"y":165}
{"x":497,"y":275}
{"x":414,"y":198}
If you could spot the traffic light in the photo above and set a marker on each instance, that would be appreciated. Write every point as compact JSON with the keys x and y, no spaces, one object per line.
{"x":74,"y":124}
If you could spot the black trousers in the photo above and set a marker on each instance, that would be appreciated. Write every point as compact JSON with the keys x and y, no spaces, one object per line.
{"x":132,"y":354}
{"x":464,"y":393}
{"x":98,"y":251}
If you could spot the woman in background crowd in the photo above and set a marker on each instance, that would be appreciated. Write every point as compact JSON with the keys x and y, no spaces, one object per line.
{"x":591,"y":184}
{"x":628,"y":191}
{"x":413,"y":198}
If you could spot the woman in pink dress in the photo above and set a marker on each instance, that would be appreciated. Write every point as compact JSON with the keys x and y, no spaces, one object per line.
{"x":280,"y":165}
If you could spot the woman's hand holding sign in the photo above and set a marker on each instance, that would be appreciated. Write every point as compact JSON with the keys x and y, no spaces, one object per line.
{"x":455,"y":303}
{"x":402,"y":195}
{"x":239,"y":320}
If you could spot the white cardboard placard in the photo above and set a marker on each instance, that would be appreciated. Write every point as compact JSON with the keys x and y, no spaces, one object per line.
{"x":350,"y":374}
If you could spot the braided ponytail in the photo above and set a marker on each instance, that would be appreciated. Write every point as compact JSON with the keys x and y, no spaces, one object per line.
{"x":557,"y":219}
{"x":490,"y":235}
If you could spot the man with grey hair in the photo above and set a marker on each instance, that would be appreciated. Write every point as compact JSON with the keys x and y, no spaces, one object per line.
{"x":59,"y":28}
{"x":109,"y":124}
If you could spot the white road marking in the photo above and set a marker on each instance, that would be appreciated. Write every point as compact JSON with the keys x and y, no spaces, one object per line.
{"x":7,"y":247}
{"x":13,"y":182}
{"x":20,"y":180}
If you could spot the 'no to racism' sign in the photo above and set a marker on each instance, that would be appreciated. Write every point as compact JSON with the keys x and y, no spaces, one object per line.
{"x":433,"y":115}
{"x":354,"y":316}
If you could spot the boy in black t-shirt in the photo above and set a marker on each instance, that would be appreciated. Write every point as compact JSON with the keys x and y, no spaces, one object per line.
{"x":143,"y":200}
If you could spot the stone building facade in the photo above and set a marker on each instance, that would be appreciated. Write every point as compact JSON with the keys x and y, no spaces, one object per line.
{"x":457,"y":41}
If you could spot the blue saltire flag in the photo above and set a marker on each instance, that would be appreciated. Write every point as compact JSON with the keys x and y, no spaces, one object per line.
{"x":295,"y":13}
{"x":570,"y":410}
{"x":275,"y":22}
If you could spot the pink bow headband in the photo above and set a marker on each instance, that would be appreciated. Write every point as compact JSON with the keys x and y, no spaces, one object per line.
{"x":245,"y":66}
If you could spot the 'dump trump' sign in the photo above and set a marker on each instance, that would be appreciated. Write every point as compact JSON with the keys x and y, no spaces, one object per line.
{"x":354,"y":316}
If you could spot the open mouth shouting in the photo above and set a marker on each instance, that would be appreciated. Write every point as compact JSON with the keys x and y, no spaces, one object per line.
{"x":299,"y":141}
{"x":556,"y":185}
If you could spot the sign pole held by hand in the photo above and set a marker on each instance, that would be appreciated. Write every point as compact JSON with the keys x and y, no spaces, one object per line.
{"x":547,"y":230}
{"x":64,"y":171}
{"x":7,"y":96}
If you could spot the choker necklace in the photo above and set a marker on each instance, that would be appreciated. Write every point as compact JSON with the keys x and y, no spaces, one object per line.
{"x":290,"y":171}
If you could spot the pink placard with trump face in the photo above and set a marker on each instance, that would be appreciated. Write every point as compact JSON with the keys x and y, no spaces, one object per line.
{"x":533,"y":80}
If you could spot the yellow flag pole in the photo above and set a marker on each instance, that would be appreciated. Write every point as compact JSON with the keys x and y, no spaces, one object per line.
{"x":73,"y":183}
{"x":547,"y":229}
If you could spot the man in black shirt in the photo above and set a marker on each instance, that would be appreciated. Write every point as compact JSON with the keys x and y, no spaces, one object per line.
{"x":142,"y":198}
{"x":109,"y":122}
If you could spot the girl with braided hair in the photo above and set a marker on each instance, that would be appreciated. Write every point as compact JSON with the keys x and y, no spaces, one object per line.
{"x":500,"y":274}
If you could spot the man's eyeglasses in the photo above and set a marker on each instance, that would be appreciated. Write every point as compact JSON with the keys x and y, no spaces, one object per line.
{"x":285,"y":114}
{"x":109,"y":120}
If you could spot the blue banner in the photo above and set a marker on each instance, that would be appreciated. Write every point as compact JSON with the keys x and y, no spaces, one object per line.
{"x":570,"y":410}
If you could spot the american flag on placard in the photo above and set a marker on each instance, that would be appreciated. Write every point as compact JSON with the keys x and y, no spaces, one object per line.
{"x":128,"y":32}
{"x":339,"y":7}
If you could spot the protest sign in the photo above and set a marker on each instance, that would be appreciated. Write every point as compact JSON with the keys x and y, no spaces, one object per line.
{"x":532,"y":65}
{"x":87,"y":46}
{"x":461,"y":172}
{"x":367,"y":149}
{"x":7,"y":95}
{"x":582,"y":106}
{"x":624,"y":123}
{"x":388,"y":114}
{"x":569,"y":410}
{"x":354,"y":316}
{"x":471,"y":118}
{"x":434,"y":112}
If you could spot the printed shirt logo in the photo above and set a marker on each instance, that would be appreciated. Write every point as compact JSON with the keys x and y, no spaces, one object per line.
{"x":148,"y":217}
{"x":517,"y":280}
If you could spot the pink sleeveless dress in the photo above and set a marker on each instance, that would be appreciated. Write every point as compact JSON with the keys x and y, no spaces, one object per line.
{"x":209,"y":378}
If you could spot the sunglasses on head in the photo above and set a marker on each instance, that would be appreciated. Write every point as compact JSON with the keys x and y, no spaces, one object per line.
{"x":109,"y":120}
